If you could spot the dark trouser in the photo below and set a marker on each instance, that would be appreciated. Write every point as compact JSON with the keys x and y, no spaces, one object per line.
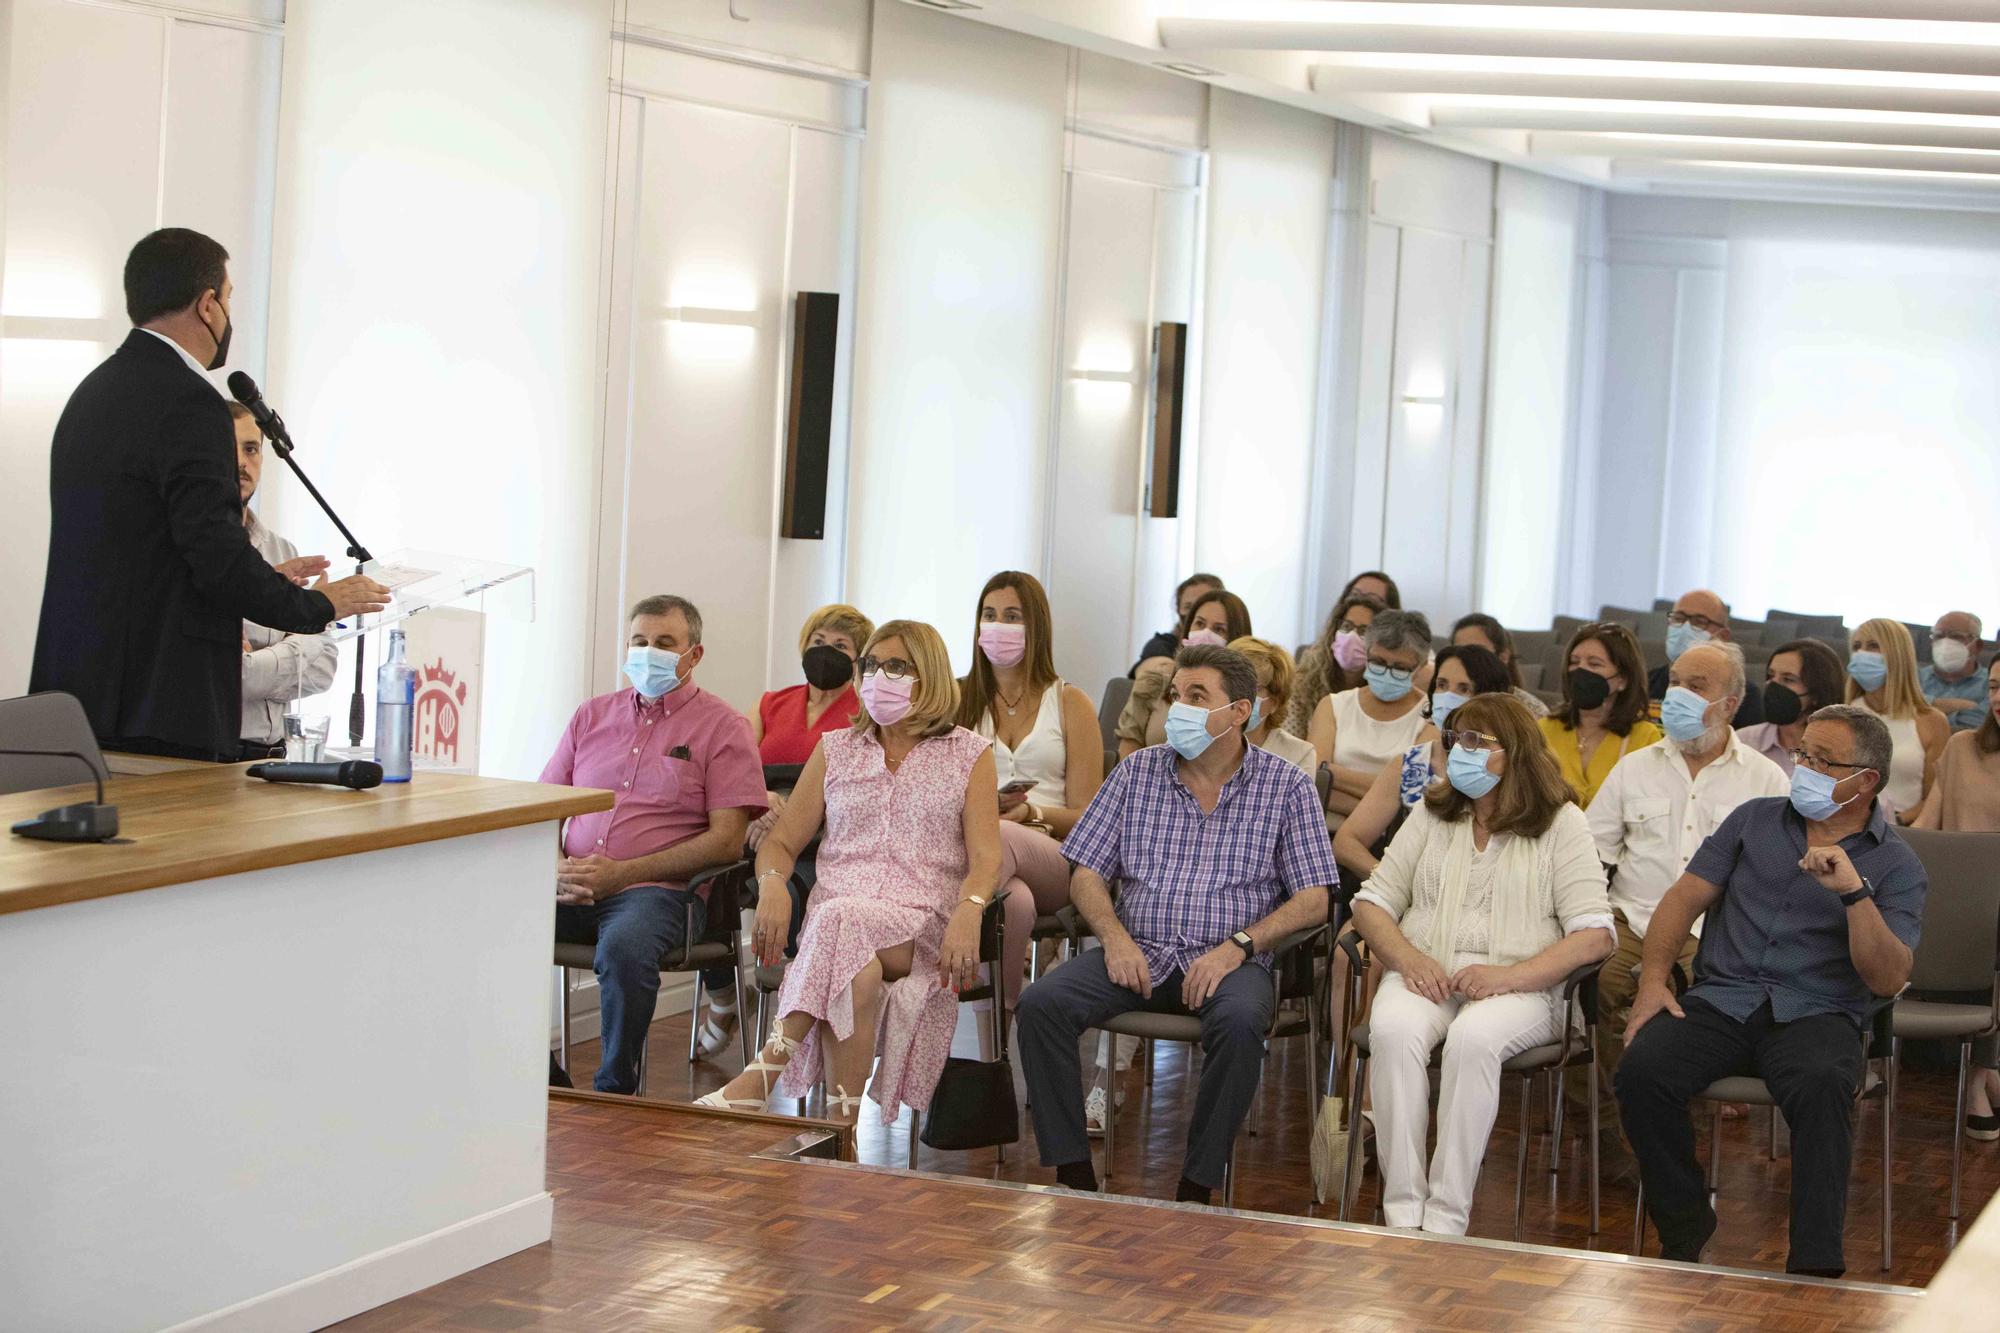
{"x":633,"y":931}
{"x":1812,"y":1065}
{"x":1057,"y":1010}
{"x":721,"y":979}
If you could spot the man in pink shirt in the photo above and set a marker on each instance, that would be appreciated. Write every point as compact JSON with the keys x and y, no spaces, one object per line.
{"x":687,"y":782}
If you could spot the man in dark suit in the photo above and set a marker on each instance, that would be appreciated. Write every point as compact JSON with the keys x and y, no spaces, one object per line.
{"x":151,"y":573}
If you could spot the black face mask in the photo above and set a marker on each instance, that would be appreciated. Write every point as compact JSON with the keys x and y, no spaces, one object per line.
{"x":221,"y":357}
{"x":826,"y":667}
{"x":1587,"y":689}
{"x":1782,"y":705}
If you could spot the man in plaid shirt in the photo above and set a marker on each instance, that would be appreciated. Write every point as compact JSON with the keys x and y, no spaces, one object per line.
{"x":1218,"y":850}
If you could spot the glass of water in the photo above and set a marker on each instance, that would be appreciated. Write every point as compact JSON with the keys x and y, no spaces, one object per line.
{"x":305,"y":737}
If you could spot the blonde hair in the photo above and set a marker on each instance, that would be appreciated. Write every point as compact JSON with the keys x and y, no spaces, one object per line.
{"x":840,"y":618}
{"x":1267,"y":656}
{"x":934,"y":702}
{"x":1902,"y":695}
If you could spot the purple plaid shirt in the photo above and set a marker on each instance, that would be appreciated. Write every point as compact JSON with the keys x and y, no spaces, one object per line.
{"x":1187,"y":881}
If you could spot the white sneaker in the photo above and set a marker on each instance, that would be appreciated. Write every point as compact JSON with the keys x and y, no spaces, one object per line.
{"x":1093,"y":1110}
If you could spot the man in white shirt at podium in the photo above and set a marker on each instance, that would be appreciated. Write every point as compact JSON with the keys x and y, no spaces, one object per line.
{"x":277,"y":667}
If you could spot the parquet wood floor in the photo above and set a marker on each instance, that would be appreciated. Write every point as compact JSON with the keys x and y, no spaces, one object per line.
{"x":663,"y":1221}
{"x":1272,"y":1164}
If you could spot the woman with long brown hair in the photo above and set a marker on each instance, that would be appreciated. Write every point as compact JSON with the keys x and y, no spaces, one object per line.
{"x":1215,"y":619}
{"x":1487,"y":898}
{"x":1333,"y":662}
{"x":1603,"y":714}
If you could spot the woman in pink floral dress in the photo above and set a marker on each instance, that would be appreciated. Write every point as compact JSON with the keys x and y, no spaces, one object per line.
{"x":906,"y":866}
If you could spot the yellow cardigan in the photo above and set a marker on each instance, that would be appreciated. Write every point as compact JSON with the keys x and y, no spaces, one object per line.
{"x":1563,"y":744}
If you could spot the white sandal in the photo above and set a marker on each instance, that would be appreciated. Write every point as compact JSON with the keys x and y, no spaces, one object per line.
{"x":840,"y":1106}
{"x":779,"y":1044}
{"x":712,"y":1039}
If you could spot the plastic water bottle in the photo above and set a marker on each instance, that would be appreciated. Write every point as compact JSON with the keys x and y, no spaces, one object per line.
{"x":395,"y":711}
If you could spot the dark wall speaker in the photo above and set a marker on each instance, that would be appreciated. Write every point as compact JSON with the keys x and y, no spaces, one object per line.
{"x":1163,"y":491}
{"x":809,"y":414}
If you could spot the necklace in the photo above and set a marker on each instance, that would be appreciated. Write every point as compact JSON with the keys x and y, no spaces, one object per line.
{"x":1012,"y":706}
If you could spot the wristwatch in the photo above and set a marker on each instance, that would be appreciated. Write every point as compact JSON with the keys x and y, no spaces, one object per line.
{"x":1866,"y":890}
{"x":1241,"y":939}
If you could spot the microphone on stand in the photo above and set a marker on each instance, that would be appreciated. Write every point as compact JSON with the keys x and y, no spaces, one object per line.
{"x":244,"y":390}
{"x":83,"y":822}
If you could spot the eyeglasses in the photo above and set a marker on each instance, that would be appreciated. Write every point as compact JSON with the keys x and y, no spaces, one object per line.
{"x":1700,"y":622}
{"x":1349,"y":627}
{"x":1820,"y":763}
{"x":895,"y":668}
{"x":1395,"y":673}
{"x":1471,"y":740}
{"x":1969,"y":640}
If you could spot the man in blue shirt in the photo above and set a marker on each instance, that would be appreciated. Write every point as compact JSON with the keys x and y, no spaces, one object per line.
{"x":1814,"y":904}
{"x":1953,"y":680}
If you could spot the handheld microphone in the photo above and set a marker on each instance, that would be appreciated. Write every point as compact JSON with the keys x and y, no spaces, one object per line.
{"x":244,"y":390}
{"x":357,"y":774}
{"x":71,"y":823}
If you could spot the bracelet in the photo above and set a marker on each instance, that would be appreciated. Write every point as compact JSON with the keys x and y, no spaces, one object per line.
{"x":773,"y":871}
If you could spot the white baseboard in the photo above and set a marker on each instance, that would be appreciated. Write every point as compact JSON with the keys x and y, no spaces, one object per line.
{"x":387,"y":1275}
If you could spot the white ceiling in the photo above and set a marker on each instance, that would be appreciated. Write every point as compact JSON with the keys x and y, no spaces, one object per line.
{"x":1891,"y":101}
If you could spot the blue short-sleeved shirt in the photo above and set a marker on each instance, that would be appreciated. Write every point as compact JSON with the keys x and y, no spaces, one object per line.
{"x":1775,"y":933}
{"x":1973,"y":687}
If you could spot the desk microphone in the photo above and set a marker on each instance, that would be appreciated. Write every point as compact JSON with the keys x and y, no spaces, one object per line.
{"x":71,"y":823}
{"x":358,"y":774}
{"x":244,"y":390}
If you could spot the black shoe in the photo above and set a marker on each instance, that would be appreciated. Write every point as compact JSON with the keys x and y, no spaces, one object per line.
{"x":558,"y":1076}
{"x":1077,"y":1176}
{"x":1692,"y":1254}
{"x":1985,"y":1128}
{"x":1189,"y":1192}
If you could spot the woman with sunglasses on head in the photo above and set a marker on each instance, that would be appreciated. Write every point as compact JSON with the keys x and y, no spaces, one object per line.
{"x":1359,"y":732}
{"x":910,"y":809}
{"x":1048,"y":753}
{"x":1604,"y":705}
{"x":1882,"y":679}
{"x":1489,"y":896}
{"x":1333,"y":663}
{"x":1215,"y":618}
{"x":1802,"y":677}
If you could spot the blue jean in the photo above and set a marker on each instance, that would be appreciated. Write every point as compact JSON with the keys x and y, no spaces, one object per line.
{"x":633,"y":931}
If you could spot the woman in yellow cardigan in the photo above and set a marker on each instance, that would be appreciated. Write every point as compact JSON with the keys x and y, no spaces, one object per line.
{"x":1603,"y":714}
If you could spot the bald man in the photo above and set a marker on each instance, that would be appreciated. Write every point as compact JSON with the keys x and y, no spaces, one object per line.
{"x":1657,"y":807}
{"x":1701,"y":617}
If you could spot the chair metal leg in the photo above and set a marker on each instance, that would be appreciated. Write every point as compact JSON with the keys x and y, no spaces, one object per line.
{"x":1639,"y":1221}
{"x":1590,"y":1083}
{"x":1350,"y":1182}
{"x":914,"y":1118}
{"x":642,"y":1068}
{"x":1556,"y":1084}
{"x":1146,"y":1049}
{"x":1110,"y":1112}
{"x":1889,"y":1158}
{"x":736,"y":972}
{"x":1312,"y":1062}
{"x":694,"y":1030}
{"x":1774,"y":1132}
{"x":1521,"y":1153}
{"x":562,"y":1022}
{"x":1229,"y":1179}
{"x":1957,"y":1125}
{"x":1714,"y":1150}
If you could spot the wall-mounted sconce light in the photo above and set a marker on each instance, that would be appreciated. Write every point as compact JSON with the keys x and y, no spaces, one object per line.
{"x":1108,"y":376}
{"x":698,"y":314}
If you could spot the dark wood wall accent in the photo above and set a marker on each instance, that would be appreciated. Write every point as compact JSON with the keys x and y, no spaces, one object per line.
{"x":809,"y":414}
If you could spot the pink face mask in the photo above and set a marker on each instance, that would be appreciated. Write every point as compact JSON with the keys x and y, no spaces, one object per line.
{"x":887,"y":701}
{"x":1207,"y":636}
{"x":1349,"y":650}
{"x":1004,"y":645}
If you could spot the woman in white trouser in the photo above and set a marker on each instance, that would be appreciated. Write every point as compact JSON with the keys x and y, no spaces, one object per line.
{"x":1487,"y":898}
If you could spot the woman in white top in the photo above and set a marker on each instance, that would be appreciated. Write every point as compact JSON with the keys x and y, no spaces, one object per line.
{"x":1359,"y":732}
{"x":1275,"y":676}
{"x":1048,"y":754}
{"x":1487,"y":899}
{"x":1882,"y":678}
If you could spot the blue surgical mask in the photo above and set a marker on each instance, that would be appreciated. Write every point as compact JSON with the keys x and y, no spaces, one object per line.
{"x":1869,"y":670}
{"x":652,"y":671}
{"x":1812,"y":793}
{"x":1386,"y":683}
{"x":1442,"y":704}
{"x":1467,"y":771}
{"x":1187,"y":730}
{"x":1683,"y":714}
{"x":1256,"y":713}
{"x":1680,"y":638}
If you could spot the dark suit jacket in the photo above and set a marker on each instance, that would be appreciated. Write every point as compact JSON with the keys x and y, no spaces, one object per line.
{"x":1748,"y":713}
{"x":151,"y":573}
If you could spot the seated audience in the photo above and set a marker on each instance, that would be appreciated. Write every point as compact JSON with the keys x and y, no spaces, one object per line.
{"x":1882,"y":679}
{"x":1187,"y":933}
{"x":1823,"y":876}
{"x":277,"y":667}
{"x":1802,"y":677}
{"x":1486,"y":632}
{"x":1699,"y":617}
{"x":685,"y":783}
{"x":1374,"y":583}
{"x":1333,"y":663}
{"x":1358,"y":733}
{"x":1168,"y":641}
{"x":1603,"y":713}
{"x":1462,"y":672}
{"x":789,"y":722}
{"x":1966,"y":799}
{"x":1656,"y":809}
{"x":1214,"y":620}
{"x":1275,"y":675}
{"x":1952,"y":680}
{"x":910,"y":810}
{"x":1048,"y":753}
{"x":1487,"y":899}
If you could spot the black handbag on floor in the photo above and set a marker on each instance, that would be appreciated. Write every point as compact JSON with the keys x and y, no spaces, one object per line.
{"x":973,"y":1106}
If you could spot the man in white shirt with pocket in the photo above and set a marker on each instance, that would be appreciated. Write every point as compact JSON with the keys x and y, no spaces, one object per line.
{"x":1656,"y":809}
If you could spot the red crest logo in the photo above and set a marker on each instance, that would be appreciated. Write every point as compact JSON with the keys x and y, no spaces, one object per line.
{"x":440,"y":696}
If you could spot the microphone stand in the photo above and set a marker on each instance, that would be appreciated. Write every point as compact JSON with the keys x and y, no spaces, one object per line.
{"x":281,"y":444}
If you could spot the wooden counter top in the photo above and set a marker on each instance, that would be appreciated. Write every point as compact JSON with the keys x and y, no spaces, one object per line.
{"x":213,"y":820}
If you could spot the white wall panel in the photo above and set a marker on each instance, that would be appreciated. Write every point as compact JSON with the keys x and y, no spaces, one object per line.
{"x":1271,"y":169}
{"x":832,"y":33}
{"x":1166,"y":545}
{"x":1374,"y":405}
{"x":1123,"y":98}
{"x":1637,"y":405}
{"x":960,"y":214}
{"x":1422,"y":422}
{"x":1418,"y":185}
{"x":1464,"y":510}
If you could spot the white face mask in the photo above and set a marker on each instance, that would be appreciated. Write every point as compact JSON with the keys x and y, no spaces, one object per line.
{"x":1950,"y":656}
